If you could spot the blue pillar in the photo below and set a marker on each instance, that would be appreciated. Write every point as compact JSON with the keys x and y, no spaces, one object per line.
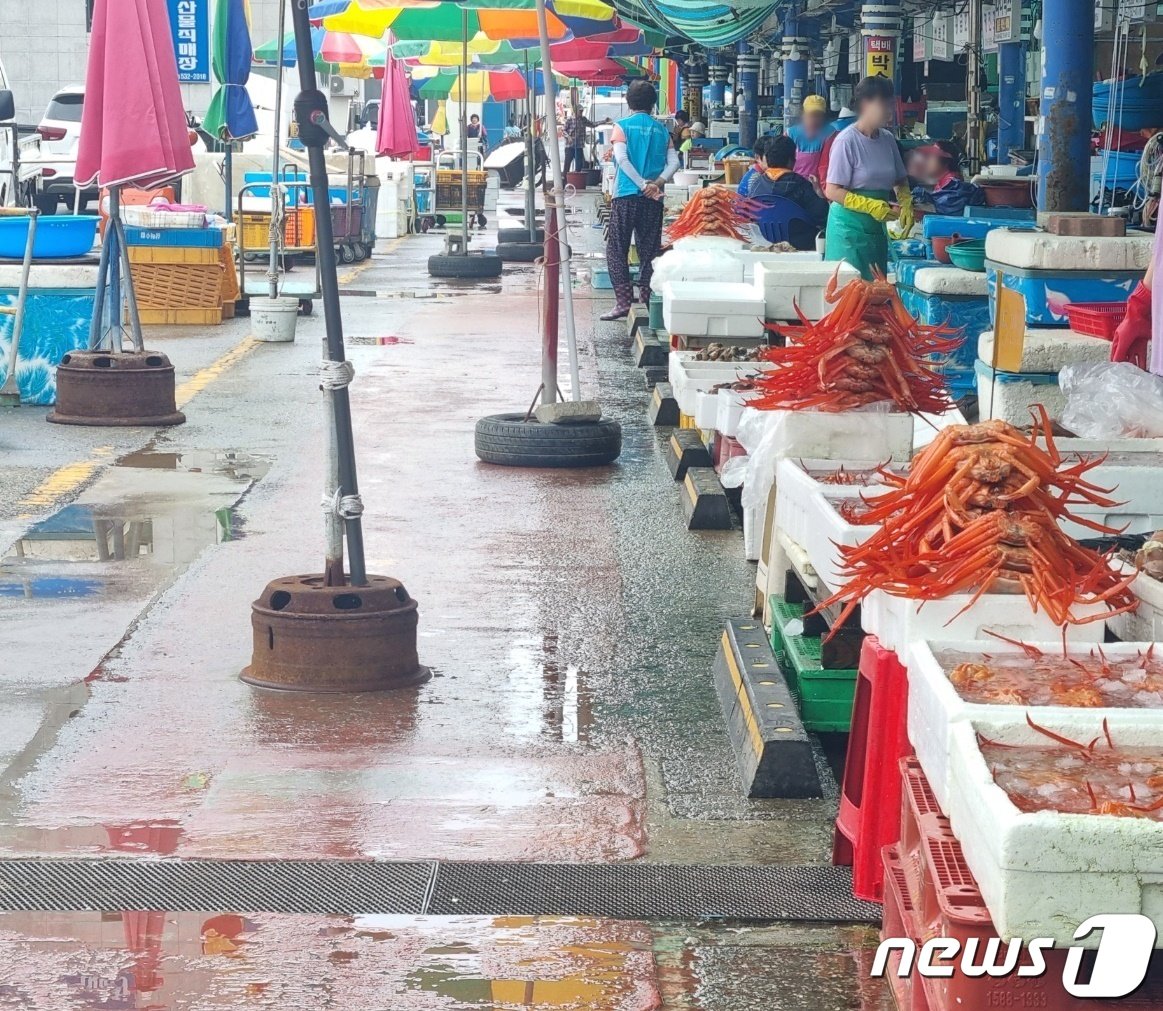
{"x":747,"y":85}
{"x":717,"y":91}
{"x":795,"y":71}
{"x":1011,"y":99}
{"x":1067,"y":73}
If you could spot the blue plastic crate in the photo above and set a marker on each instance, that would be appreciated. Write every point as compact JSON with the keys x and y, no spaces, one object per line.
{"x":189,"y":238}
{"x":975,"y":226}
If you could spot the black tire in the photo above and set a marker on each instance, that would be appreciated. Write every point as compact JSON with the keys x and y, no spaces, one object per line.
{"x":519,"y":235}
{"x":474,"y":265}
{"x":520,"y":252}
{"x":346,"y":253}
{"x":46,"y":204}
{"x":306,"y":307}
{"x":511,"y":441}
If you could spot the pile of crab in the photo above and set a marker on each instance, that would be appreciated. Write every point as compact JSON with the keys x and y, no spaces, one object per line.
{"x":867,"y":350}
{"x":978,"y":512}
{"x":715,"y":211}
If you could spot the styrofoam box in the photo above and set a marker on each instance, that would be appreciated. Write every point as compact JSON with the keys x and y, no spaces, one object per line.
{"x":818,"y":435}
{"x":753,"y":533}
{"x":712,"y":309}
{"x":935,"y":705}
{"x":803,"y":511}
{"x":706,"y":409}
{"x":898,"y":622}
{"x":1042,"y":873}
{"x":783,"y":286}
{"x":751,"y":257}
{"x":1050,"y":349}
{"x":951,"y":281}
{"x":1035,"y":250}
{"x":1136,"y":480}
{"x":1008,"y":396}
{"x":689,"y":376}
{"x":730,"y":408}
{"x":1145,"y":624}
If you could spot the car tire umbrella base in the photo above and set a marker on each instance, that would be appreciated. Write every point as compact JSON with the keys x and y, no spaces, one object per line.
{"x":357,"y":631}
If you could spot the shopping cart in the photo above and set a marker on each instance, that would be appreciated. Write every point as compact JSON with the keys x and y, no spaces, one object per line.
{"x":290,"y":234}
{"x":448,"y":197}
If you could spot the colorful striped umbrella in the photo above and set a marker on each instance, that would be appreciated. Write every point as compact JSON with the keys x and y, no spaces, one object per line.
{"x":231,"y":116}
{"x":498,"y":85}
{"x":335,"y":52}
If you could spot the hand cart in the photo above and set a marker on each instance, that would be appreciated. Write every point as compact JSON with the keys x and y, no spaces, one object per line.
{"x":293,"y":225}
{"x":349,"y":220}
{"x":448,"y":199}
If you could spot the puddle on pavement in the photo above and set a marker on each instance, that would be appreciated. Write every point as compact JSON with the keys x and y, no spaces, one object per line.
{"x":152,"y":507}
{"x":165,"y":960}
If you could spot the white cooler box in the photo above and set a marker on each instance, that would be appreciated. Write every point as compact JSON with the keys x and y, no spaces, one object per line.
{"x":751,"y":258}
{"x":712,"y":309}
{"x":783,"y":286}
{"x":689,"y":377}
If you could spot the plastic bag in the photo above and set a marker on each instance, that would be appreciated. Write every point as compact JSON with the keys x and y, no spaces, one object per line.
{"x":733,"y":472}
{"x":1112,"y":400}
{"x":698,"y":264}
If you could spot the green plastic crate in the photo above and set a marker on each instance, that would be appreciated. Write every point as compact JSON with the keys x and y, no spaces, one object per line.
{"x":781,"y":613}
{"x":825,"y":696}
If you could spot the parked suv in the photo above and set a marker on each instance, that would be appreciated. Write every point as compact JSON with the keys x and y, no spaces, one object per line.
{"x":60,"y":133}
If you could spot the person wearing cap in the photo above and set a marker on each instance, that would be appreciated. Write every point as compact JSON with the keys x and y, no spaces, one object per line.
{"x":696,"y":132}
{"x":681,"y":129}
{"x":867,"y":183}
{"x":809,"y":135}
{"x":942,"y":186}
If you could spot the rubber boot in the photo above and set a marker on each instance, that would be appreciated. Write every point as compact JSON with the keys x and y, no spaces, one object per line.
{"x":1134,"y":333}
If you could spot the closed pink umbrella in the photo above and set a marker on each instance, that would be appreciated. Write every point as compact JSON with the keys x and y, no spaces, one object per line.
{"x":396,"y":133}
{"x":133,"y":126}
{"x":133,"y":131}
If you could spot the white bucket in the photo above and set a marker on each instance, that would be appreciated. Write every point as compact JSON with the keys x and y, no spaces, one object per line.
{"x":273,"y":319}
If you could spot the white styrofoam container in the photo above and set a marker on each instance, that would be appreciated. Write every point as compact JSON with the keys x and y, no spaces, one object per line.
{"x":688,"y":376}
{"x":1042,"y":873}
{"x":1034,"y":250}
{"x":750,"y":257}
{"x":706,"y":409}
{"x":898,"y":622}
{"x":818,"y":435}
{"x":1136,"y":481}
{"x":1049,"y":349}
{"x":752,"y":533}
{"x":1145,"y":623}
{"x":783,"y":286}
{"x":951,"y":281}
{"x":712,"y":309}
{"x":1008,"y":396}
{"x":935,"y":705}
{"x":731,"y":404}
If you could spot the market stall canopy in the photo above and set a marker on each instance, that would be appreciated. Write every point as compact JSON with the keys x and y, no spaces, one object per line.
{"x":231,"y":114}
{"x":498,"y":85}
{"x":331,"y":49}
{"x":133,"y":125}
{"x":487,"y":52}
{"x":710,"y":24}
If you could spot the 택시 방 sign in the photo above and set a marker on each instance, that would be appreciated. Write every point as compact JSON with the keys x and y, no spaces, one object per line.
{"x":190,"y":27}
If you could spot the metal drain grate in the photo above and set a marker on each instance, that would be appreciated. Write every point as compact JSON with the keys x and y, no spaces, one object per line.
{"x":621,"y":891}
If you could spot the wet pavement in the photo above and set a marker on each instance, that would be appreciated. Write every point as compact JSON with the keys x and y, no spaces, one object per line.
{"x":569,"y":619}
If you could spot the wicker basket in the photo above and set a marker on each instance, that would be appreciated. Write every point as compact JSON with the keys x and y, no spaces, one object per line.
{"x":177,"y":286}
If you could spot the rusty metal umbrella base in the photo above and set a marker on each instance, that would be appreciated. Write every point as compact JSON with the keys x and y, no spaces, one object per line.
{"x":114,"y":387}
{"x":335,"y":631}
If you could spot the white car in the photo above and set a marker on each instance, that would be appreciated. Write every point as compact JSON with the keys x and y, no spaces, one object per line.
{"x":60,"y":133}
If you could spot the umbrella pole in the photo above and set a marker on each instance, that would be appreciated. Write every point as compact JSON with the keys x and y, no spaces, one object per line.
{"x":276,"y":190}
{"x":558,"y":199}
{"x":464,"y":127}
{"x":97,"y":326}
{"x":311,"y":115}
{"x":130,"y":294}
{"x":112,"y":237}
{"x":228,"y":175}
{"x":530,"y":156}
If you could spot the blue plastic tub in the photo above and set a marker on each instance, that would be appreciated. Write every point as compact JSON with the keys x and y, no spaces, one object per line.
{"x":974,"y":226}
{"x":57,"y":236}
{"x":1139,"y":106}
{"x":1047,"y":292}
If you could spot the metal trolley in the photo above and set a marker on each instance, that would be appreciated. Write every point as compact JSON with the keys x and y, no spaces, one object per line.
{"x":289,"y":237}
{"x":446,"y":194}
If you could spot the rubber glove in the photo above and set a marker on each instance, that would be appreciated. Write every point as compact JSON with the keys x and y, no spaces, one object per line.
{"x":1134,"y":332}
{"x":905,"y":216}
{"x":881,"y":210}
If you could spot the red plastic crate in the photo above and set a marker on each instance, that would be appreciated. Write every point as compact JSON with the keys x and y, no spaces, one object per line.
{"x":870,"y":800}
{"x":920,"y":816}
{"x":726,"y":448}
{"x":898,"y":920}
{"x":1096,"y":319}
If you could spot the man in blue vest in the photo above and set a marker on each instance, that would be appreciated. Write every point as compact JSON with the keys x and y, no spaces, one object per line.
{"x":646,"y":160}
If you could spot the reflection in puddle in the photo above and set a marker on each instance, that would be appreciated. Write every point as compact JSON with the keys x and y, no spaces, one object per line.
{"x":171,"y":960}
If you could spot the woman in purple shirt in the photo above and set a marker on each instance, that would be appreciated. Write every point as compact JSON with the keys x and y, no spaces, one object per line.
{"x":864,"y":170}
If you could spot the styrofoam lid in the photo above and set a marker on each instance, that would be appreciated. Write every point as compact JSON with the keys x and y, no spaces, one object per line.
{"x":1035,"y":250}
{"x":713,"y":291}
{"x":822,"y":268}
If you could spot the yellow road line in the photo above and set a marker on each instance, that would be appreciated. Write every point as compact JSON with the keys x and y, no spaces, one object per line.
{"x":350,"y":275}
{"x":63,"y":481}
{"x":204,"y":377}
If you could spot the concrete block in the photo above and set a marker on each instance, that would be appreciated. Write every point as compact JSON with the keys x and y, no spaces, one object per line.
{"x":1085,"y":224}
{"x":648,"y":350}
{"x":685,"y":449}
{"x":569,"y":412}
{"x":654,"y":374}
{"x":663,"y":411}
{"x":704,"y":502}
{"x":772,"y":749}
{"x":638,"y":318}
{"x":1035,"y":250}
